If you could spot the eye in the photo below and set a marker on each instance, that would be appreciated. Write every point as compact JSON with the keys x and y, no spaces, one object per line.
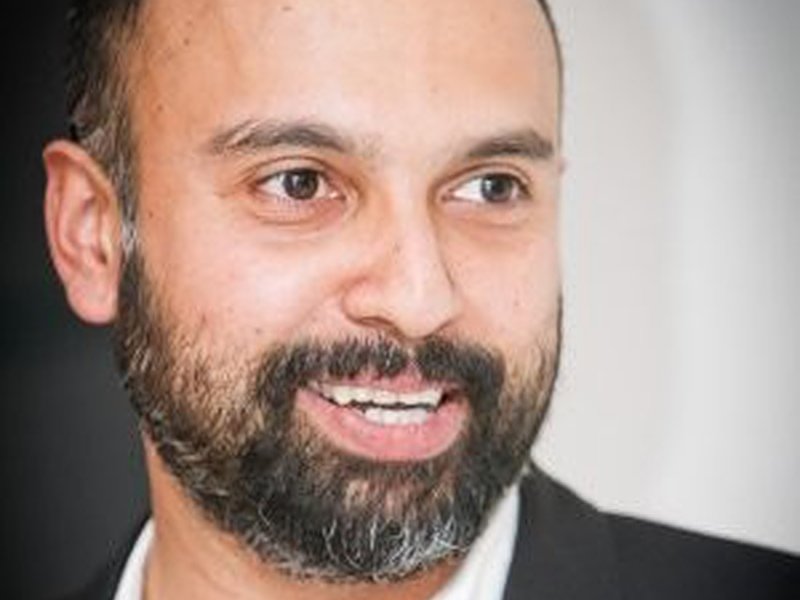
{"x":492,"y":188}
{"x":297,"y":185}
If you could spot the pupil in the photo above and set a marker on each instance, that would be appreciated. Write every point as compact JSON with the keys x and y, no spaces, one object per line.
{"x":301,"y":184}
{"x":496,"y":188}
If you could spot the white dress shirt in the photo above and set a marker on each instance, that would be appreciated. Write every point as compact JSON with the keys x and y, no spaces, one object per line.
{"x":482,"y":575}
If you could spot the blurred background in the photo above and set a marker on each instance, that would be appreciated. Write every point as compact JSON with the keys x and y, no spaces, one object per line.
{"x":678,"y":398}
{"x":71,"y":479}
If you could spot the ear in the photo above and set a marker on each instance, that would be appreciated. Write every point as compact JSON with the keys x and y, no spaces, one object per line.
{"x":83,"y":225}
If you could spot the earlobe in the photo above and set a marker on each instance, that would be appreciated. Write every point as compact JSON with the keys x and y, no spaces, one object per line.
{"x":82,"y":221}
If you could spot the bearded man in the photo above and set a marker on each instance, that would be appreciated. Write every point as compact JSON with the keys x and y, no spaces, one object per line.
{"x":326,"y":235}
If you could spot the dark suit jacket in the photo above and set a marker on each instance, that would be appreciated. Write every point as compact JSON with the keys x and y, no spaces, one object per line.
{"x":568,"y":550}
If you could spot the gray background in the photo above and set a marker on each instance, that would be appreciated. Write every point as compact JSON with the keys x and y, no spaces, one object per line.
{"x":679,"y":398}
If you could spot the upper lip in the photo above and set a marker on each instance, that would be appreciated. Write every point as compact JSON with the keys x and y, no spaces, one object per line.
{"x":409,"y":381}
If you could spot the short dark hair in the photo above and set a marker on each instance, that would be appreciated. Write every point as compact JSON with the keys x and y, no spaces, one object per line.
{"x":100,"y":36}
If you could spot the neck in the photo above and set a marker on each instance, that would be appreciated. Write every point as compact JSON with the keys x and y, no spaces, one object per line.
{"x":191,"y":558}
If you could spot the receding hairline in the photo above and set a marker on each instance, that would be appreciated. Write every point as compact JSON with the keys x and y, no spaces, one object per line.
{"x":129,"y":27}
{"x":102,"y":73}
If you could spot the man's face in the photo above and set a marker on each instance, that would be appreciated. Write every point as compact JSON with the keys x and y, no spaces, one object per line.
{"x":338,"y":201}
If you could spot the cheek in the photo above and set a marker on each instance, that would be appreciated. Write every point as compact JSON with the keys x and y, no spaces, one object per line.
{"x":514,"y":304}
{"x":229,"y":287}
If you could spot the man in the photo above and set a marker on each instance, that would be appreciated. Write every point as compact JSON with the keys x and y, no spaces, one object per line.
{"x":325,"y":233}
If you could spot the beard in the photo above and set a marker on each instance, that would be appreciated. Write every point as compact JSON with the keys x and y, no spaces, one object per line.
{"x":227,"y":428}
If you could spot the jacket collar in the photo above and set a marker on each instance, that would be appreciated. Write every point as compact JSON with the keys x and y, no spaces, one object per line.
{"x":563,"y":549}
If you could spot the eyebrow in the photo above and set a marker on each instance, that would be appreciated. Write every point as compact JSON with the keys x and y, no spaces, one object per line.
{"x":524,"y":143}
{"x":255,"y":136}
{"x":252,"y":136}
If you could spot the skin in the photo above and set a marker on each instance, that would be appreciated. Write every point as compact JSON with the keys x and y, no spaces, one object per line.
{"x":397,"y":243}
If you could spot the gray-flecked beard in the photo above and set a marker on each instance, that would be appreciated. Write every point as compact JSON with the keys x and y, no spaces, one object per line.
{"x":227,"y":428}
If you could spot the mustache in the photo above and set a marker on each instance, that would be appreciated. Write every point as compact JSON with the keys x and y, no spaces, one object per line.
{"x":476,"y":371}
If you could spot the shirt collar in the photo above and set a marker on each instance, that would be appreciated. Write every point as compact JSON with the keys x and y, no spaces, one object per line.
{"x":132,"y":580}
{"x":483,"y":574}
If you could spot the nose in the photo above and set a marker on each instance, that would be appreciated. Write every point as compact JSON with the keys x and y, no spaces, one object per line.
{"x":405,"y":287}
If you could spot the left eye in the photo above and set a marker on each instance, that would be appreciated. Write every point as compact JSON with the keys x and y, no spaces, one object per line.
{"x":493,"y":188}
{"x":298,"y":185}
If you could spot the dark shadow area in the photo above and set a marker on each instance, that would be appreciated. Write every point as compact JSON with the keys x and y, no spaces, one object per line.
{"x":71,"y":474}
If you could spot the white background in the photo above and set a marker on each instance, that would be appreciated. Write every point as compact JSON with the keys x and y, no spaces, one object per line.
{"x":679,"y":397}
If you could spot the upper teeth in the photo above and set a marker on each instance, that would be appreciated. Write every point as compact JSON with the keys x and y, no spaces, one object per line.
{"x":345,"y":394}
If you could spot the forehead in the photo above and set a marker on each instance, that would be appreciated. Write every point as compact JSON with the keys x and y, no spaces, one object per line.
{"x":376,"y":66}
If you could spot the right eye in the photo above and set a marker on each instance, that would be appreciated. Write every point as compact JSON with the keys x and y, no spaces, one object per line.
{"x":297,"y":185}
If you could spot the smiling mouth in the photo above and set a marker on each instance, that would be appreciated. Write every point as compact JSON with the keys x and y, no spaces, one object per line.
{"x":388,"y":420}
{"x":386,"y":407}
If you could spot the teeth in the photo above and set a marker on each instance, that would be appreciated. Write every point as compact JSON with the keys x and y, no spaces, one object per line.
{"x":409,"y":416}
{"x":345,"y":394}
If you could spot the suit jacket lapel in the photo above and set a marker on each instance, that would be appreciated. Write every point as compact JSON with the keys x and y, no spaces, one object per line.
{"x":563,"y":548}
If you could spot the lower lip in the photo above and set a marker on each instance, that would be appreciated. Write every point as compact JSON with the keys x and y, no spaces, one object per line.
{"x":348,"y":429}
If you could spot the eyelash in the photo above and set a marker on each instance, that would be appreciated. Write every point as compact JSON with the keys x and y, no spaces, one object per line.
{"x":323,"y":181}
{"x":522,"y":190}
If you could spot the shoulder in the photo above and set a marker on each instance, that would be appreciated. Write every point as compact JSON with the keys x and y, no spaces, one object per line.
{"x":565,"y":543}
{"x":688,"y":565}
